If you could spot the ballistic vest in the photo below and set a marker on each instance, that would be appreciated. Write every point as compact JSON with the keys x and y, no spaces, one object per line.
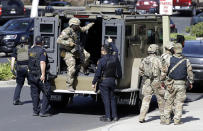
{"x":34,"y":60}
{"x":110,"y":68}
{"x":22,"y":52}
{"x":180,"y":73}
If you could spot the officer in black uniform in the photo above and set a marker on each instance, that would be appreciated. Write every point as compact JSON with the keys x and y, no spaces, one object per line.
{"x":108,"y":70}
{"x":37,"y":72}
{"x":20,"y":54}
{"x":114,"y":50}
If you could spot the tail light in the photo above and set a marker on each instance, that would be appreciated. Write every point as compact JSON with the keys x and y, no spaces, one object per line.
{"x":0,"y":11}
{"x":154,"y":3}
{"x":189,"y":3}
{"x":138,"y":3}
{"x":24,"y":10}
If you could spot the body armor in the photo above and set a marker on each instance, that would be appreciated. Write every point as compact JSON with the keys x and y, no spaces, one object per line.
{"x":180,"y":73}
{"x":110,"y":68}
{"x":22,"y":52}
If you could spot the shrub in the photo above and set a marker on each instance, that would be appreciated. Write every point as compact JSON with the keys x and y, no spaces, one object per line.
{"x":173,"y":36}
{"x":197,"y":30}
{"x":5,"y":71}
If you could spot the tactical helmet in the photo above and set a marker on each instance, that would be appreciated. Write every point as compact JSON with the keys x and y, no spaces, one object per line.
{"x":74,"y":21}
{"x":178,"y":48}
{"x":24,"y":39}
{"x":38,"y":40}
{"x":153,"y":48}
{"x":169,"y":46}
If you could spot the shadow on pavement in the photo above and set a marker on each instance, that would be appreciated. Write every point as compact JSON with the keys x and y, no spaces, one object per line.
{"x":189,"y":119}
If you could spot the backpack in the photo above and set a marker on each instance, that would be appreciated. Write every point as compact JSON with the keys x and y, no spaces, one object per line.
{"x":150,"y":70}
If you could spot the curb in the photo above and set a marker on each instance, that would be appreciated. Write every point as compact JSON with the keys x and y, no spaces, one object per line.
{"x":10,"y":83}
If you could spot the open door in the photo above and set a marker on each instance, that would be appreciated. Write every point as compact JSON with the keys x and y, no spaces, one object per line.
{"x":115,"y":29}
{"x":48,"y":28}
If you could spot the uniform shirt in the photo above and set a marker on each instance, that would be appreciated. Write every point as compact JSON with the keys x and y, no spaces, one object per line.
{"x":14,"y":54}
{"x":69,"y":37}
{"x":43,"y":56}
{"x":101,"y":66}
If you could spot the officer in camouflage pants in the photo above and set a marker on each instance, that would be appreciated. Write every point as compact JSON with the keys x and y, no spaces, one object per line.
{"x":69,"y":40}
{"x":176,"y":90}
{"x":150,"y":70}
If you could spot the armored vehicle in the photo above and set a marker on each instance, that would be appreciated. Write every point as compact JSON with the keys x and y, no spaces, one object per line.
{"x":131,"y":33}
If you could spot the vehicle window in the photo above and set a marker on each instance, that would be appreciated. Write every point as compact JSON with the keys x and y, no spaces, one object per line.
{"x":16,"y":26}
{"x":46,"y":28}
{"x":111,"y":30}
{"x":58,"y":4}
{"x":14,"y":3}
{"x":128,"y":30}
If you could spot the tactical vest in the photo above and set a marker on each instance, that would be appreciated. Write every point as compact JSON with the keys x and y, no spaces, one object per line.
{"x":110,"y":68}
{"x":180,"y":73}
{"x":34,"y":60}
{"x":22,"y":52}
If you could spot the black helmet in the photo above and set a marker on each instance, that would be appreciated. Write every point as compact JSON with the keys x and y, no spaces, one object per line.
{"x":38,"y":40}
{"x":24,"y":39}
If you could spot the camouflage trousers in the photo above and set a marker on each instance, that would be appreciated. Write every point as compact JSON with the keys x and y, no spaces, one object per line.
{"x":70,"y":60}
{"x":175,"y":100}
{"x":151,"y":88}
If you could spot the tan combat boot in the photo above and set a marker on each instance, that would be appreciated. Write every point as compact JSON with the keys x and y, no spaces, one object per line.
{"x":166,"y":121}
{"x":162,"y":118}
{"x":177,"y":122}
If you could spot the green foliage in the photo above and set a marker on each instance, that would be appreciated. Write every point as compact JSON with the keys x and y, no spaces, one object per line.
{"x":187,"y":37}
{"x":5,"y":71}
{"x":197,"y":30}
{"x":187,"y":29}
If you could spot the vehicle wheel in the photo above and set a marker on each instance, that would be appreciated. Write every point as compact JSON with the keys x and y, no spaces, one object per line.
{"x":194,"y":11}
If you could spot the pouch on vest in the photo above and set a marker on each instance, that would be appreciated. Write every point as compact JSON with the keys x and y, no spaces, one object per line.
{"x":148,"y":68}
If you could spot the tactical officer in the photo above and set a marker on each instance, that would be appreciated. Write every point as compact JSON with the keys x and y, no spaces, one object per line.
{"x":178,"y":71}
{"x":150,"y":70}
{"x":108,"y":70}
{"x":69,"y":40}
{"x":20,"y":54}
{"x":37,"y":76}
{"x":168,"y":53}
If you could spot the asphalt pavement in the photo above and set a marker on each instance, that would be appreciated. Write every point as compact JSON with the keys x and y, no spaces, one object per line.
{"x":82,"y":115}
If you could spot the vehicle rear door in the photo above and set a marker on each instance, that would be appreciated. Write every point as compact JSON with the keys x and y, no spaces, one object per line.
{"x":114,"y":29}
{"x":48,"y":28}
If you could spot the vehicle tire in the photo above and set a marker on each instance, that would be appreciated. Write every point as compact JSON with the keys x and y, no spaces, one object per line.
{"x":194,"y":11}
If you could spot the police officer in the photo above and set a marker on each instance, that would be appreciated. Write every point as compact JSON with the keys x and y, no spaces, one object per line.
{"x":69,"y":40}
{"x":108,"y":70}
{"x":150,"y":70}
{"x":114,"y":49}
{"x":37,"y":76}
{"x":178,"y":70}
{"x":20,"y":54}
